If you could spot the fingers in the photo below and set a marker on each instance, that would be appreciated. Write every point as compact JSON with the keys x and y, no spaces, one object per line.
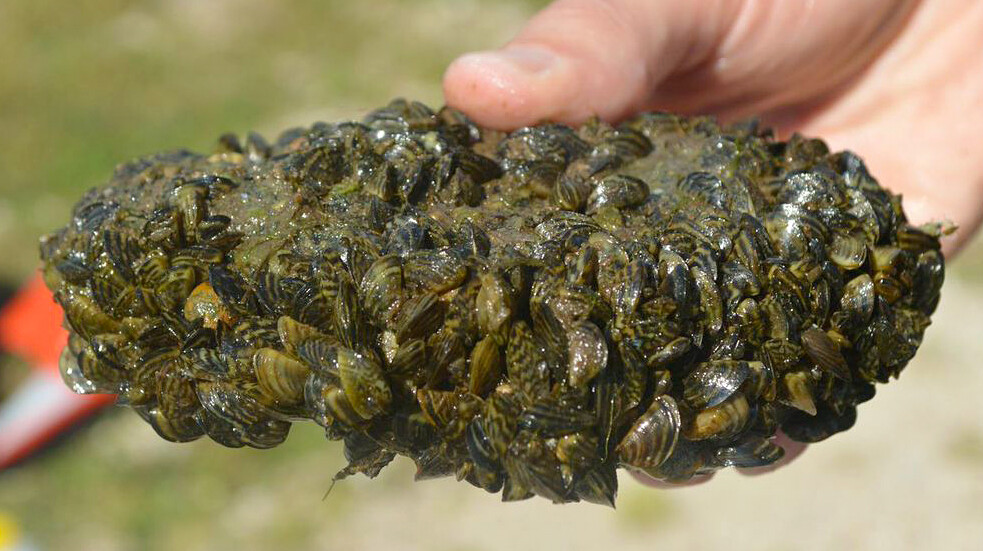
{"x":663,"y":485}
{"x":792,"y":449}
{"x":610,"y":58}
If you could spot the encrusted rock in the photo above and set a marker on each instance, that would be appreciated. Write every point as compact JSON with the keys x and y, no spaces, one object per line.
{"x":527,"y":311}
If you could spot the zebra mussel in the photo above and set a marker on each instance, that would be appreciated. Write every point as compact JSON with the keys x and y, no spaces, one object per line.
{"x":526,"y":311}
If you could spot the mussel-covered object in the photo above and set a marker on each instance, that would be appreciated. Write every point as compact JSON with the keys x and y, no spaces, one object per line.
{"x":527,"y":311}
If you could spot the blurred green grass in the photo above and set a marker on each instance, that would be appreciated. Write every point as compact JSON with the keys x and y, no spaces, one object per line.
{"x":85,"y":85}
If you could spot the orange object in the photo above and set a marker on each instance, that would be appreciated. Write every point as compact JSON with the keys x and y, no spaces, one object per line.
{"x":30,"y":325}
{"x":43,"y":407}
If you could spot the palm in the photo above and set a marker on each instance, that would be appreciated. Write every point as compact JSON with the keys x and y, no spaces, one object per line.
{"x":914,"y":116}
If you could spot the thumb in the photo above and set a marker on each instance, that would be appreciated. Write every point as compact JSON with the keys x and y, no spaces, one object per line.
{"x":579,"y":58}
{"x":610,"y":58}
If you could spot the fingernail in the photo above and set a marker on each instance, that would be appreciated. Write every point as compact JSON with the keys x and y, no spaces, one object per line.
{"x":527,"y":59}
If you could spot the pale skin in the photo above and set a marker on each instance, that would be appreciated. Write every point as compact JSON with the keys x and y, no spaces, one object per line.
{"x":900,"y":82}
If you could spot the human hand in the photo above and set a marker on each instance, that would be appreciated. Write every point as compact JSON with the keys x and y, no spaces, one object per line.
{"x":900,"y":82}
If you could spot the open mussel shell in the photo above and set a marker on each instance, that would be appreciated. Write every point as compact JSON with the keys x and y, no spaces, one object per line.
{"x":527,"y":311}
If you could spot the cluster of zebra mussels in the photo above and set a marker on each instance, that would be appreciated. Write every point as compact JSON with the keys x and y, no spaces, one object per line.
{"x":527,"y":311}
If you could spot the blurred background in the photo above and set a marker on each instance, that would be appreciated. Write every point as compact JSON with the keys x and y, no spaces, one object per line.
{"x":85,"y":85}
